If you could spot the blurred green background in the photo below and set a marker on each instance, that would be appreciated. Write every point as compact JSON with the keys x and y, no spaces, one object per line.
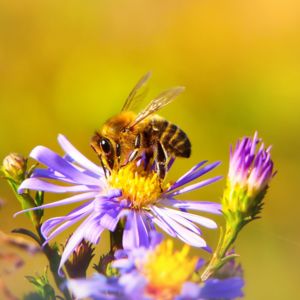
{"x":66,"y":66}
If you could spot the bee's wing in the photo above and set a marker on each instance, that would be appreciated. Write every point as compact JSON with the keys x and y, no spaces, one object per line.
{"x":138,"y":93}
{"x":157,"y":103}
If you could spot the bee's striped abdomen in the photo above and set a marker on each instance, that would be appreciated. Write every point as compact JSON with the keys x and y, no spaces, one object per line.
{"x":175,"y":141}
{"x":181,"y":144}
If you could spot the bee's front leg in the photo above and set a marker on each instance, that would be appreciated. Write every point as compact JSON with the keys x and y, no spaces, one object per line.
{"x":106,"y":171}
{"x":161,"y":160}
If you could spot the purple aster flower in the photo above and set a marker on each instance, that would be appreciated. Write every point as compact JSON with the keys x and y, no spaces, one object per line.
{"x":249,"y":167}
{"x":159,"y":272}
{"x":250,"y":171}
{"x":130,"y":193}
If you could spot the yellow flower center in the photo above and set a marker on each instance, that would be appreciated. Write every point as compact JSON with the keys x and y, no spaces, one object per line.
{"x":140,"y":187}
{"x":167,"y":270}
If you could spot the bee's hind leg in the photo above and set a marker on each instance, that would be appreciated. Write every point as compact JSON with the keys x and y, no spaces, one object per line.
{"x":161,"y":161}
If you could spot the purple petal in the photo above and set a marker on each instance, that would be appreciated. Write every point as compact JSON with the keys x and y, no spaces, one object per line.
{"x":93,"y":229}
{"x":142,"y":230}
{"x":196,"y":174}
{"x":73,"y":242}
{"x":238,"y":149}
{"x":164,"y":226}
{"x":50,"y":174}
{"x":111,"y":217}
{"x":89,"y":230}
{"x":123,"y":263}
{"x":134,"y":285}
{"x":200,"y":264}
{"x":222,"y":289}
{"x":49,"y":226}
{"x":183,"y":233}
{"x":98,"y":287}
{"x":120,"y":254}
{"x":206,"y":222}
{"x":190,"y":290}
{"x":254,"y":142}
{"x":129,"y":236}
{"x":180,"y":219}
{"x":155,"y":238}
{"x":68,"y":220}
{"x":194,"y":186}
{"x":160,"y":222}
{"x":135,"y":234}
{"x":188,"y":173}
{"x":211,"y":207}
{"x":57,"y":163}
{"x":170,"y":163}
{"x":41,"y":185}
{"x":77,"y":156}
{"x":70,"y":200}
{"x":266,"y":175}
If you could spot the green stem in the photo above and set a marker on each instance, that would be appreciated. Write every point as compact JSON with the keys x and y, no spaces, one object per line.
{"x":26,"y":201}
{"x":116,"y":238}
{"x":54,"y":260}
{"x":229,"y":239}
{"x":52,"y":255}
{"x":116,"y":241}
{"x":220,"y":256}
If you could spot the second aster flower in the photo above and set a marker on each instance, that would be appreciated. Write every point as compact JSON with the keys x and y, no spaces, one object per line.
{"x":130,"y":193}
{"x":250,"y":171}
{"x":159,"y":272}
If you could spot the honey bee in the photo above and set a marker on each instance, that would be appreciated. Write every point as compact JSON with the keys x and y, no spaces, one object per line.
{"x":128,"y":136}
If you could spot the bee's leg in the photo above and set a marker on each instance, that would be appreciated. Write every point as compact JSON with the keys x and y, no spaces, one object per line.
{"x":103,"y":167}
{"x":148,"y":159}
{"x":133,"y":155}
{"x":161,"y":160}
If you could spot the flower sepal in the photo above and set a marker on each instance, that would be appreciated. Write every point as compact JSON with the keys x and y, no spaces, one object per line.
{"x":239,"y":206}
{"x":78,"y":263}
{"x":105,"y":265}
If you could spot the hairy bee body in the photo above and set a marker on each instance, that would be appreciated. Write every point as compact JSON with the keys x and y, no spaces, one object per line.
{"x":128,"y":136}
{"x":155,"y":136}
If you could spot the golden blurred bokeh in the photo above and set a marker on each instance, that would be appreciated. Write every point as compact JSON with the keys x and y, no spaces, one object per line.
{"x":66,"y":66}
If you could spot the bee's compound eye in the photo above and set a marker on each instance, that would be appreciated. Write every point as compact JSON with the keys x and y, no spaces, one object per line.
{"x":105,"y":145}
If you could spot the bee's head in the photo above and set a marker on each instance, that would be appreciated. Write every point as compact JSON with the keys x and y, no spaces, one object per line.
{"x":107,"y":149}
{"x":108,"y":141}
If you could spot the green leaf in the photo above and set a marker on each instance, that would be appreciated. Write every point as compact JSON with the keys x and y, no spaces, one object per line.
{"x":229,"y":257}
{"x":33,"y":296}
{"x":43,"y":287}
{"x":26,"y":201}
{"x":28,"y":233}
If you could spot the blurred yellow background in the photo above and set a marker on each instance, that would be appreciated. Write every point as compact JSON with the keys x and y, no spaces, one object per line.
{"x":66,"y":66}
